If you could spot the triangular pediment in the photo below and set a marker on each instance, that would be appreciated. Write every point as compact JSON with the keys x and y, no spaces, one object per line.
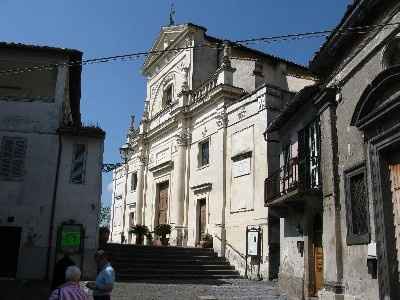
{"x":167,"y":36}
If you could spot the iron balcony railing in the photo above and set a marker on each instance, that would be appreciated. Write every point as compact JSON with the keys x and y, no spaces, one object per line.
{"x":301,"y":175}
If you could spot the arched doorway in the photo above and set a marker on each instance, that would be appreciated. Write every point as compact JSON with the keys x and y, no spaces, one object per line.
{"x":377,"y":116}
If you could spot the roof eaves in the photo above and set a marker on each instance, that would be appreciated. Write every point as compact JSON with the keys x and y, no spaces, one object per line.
{"x":302,"y":97}
{"x":13,"y":45}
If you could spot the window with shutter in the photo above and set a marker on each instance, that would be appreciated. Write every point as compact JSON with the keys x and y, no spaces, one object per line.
{"x":309,"y":155}
{"x":78,"y":164}
{"x":12,"y":158}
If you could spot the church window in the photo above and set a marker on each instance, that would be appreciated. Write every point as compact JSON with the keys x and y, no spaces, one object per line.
{"x":167,"y":95}
{"x":78,"y":167}
{"x":12,"y":158}
{"x":133,"y":181}
{"x":204,"y":148}
{"x":357,"y":208}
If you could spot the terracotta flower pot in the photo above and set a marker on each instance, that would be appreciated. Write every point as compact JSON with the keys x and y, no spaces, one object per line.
{"x":164,"y":241}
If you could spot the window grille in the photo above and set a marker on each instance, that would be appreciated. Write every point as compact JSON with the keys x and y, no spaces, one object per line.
{"x":204,"y":153}
{"x":358,"y":231}
{"x":78,"y":164}
{"x":12,"y":158}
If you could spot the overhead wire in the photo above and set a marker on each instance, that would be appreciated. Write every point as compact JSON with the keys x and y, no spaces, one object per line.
{"x":237,"y":43}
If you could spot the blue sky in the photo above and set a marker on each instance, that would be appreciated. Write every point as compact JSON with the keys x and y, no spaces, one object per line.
{"x":111,"y":92}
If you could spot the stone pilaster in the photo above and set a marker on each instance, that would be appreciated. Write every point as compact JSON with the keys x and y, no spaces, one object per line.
{"x":332,"y":238}
{"x":139,"y":191}
{"x":178,"y":195}
{"x":222,"y":123}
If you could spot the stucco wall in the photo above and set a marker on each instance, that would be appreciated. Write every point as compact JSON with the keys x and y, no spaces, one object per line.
{"x":357,"y":74}
{"x":80,"y":202}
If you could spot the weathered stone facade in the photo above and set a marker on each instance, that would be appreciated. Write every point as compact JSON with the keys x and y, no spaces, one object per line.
{"x":40,"y":128}
{"x":221,"y":96}
{"x":356,"y":107}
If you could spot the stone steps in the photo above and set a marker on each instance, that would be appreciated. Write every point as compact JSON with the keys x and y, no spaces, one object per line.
{"x":133,"y":263}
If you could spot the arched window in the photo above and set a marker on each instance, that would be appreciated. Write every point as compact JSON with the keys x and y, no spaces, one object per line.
{"x":380,"y":100}
{"x":391,"y":55}
{"x":168,"y":93}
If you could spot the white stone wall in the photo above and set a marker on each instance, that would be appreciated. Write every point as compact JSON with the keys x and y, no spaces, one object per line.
{"x":234,"y":191}
{"x":30,"y":200}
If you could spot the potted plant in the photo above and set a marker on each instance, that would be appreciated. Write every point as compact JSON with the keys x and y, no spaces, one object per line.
{"x":149,"y":239}
{"x":140,"y":231}
{"x":206,"y":241}
{"x":162,"y":230}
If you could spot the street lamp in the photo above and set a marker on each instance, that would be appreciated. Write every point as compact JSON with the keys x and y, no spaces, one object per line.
{"x":124,"y":151}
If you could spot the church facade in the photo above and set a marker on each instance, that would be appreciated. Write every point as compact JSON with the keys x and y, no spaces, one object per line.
{"x":198,"y":160}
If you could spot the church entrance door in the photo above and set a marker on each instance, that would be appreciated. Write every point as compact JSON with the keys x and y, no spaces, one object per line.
{"x":202,"y":218}
{"x":162,"y":203}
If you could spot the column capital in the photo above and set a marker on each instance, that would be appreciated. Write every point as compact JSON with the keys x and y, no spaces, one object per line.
{"x":183,"y":138}
{"x":222,"y":119}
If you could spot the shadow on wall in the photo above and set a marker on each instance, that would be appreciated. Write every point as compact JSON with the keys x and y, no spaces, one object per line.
{"x":293,"y":226}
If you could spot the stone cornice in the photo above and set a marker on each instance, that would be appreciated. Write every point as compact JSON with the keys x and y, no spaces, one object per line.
{"x":163,"y":167}
{"x":201,"y":188}
{"x":147,"y":68}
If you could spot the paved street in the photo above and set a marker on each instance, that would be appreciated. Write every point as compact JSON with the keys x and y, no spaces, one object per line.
{"x":206,"y":290}
{"x":201,"y":290}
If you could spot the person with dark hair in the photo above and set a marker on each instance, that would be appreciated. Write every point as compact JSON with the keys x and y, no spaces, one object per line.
{"x":105,"y":279}
{"x":59,"y":270}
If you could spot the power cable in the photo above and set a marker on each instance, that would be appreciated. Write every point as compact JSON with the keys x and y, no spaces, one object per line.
{"x":237,"y":43}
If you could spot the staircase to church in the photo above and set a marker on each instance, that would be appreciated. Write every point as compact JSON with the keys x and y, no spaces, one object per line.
{"x":133,"y":263}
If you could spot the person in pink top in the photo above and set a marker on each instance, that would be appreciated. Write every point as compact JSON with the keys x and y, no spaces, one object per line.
{"x":71,"y":290}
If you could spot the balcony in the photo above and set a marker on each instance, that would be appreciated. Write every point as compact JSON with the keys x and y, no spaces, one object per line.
{"x":295,"y":179}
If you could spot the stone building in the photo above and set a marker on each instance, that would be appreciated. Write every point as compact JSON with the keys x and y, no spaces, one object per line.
{"x":293,"y":193}
{"x":195,"y":160}
{"x":50,"y":164}
{"x":355,"y":110}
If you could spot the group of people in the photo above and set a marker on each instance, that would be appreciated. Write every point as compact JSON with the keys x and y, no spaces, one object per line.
{"x":67,"y":275}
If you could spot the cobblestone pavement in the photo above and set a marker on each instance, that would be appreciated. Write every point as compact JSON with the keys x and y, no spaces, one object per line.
{"x":181,"y":290}
{"x":201,"y":290}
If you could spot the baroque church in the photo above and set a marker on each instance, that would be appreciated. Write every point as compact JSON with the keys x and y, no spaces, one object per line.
{"x":198,"y":159}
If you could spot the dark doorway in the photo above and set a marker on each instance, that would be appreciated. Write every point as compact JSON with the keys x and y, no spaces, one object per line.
{"x":9,"y":250}
{"x":202,"y":218}
{"x":274,"y":246}
{"x":162,"y":203}
{"x":318,"y":255}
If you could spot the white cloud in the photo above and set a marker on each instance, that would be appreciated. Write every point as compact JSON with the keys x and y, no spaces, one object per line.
{"x":110,"y":187}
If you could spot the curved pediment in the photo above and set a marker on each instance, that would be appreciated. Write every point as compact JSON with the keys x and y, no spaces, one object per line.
{"x":380,"y":97}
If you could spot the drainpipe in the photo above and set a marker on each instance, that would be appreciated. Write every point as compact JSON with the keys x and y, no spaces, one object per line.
{"x":53,"y":208}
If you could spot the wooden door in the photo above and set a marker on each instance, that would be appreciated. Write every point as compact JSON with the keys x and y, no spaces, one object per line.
{"x":395,"y":189}
{"x":9,"y":250}
{"x":202,"y":217}
{"x":162,"y":203}
{"x":318,"y":254}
